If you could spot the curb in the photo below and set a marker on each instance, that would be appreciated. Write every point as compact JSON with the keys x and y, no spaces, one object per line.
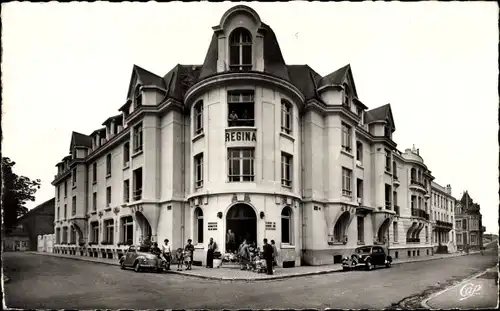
{"x":475,"y":276}
{"x":206,"y":277}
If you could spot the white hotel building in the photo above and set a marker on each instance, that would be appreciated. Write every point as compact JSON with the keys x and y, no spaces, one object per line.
{"x":248,"y":143}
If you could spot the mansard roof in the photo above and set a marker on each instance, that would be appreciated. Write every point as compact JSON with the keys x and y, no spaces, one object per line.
{"x":108,"y":120}
{"x":381,"y":113}
{"x":80,"y":140}
{"x":305,"y":79}
{"x":180,"y":78}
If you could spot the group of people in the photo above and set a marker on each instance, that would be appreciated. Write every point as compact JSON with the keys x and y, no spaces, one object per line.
{"x":250,"y":256}
{"x":165,"y":253}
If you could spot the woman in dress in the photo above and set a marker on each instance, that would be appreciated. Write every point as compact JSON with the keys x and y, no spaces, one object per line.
{"x":212,"y":247}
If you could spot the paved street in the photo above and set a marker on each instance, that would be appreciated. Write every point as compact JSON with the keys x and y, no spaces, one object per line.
{"x":55,"y":283}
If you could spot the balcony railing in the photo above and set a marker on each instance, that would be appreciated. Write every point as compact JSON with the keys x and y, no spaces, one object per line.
{"x":444,"y":224}
{"x":419,"y":213}
{"x":414,"y":182}
{"x":388,"y":204}
{"x":241,"y":122}
{"x":412,"y":240}
{"x":137,"y":194}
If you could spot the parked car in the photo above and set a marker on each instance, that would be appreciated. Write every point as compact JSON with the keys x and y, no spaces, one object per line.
{"x":139,"y":258}
{"x":368,"y":256}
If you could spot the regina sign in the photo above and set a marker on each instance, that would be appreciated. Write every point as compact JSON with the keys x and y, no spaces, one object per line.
{"x":240,"y":136}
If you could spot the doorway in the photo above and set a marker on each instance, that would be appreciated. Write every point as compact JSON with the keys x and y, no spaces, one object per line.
{"x":242,"y":221}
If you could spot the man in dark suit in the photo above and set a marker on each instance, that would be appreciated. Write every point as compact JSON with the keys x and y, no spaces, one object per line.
{"x":268,"y":256}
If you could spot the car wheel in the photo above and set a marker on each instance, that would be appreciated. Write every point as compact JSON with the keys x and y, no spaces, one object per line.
{"x":369,"y":265}
{"x":122,"y":265}
{"x":137,"y":267}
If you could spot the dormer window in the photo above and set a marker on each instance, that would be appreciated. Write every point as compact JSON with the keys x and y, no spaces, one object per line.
{"x":346,"y":100}
{"x":240,"y":50}
{"x":137,"y":97}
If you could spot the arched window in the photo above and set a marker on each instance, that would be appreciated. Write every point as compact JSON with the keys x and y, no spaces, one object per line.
{"x":240,"y":50}
{"x":137,"y":97}
{"x":413,"y":174}
{"x":198,"y":117}
{"x":198,"y":226}
{"x":286,"y":225}
{"x":340,"y":227}
{"x":286,"y":116}
{"x":346,"y":99}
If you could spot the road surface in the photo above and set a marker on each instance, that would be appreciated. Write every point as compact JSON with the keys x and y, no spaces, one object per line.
{"x":45,"y":282}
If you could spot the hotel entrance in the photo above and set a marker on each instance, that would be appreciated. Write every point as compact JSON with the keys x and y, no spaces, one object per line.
{"x":242,"y":221}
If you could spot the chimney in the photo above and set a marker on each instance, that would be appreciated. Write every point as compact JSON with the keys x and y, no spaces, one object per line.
{"x":418,"y":151}
{"x":448,"y":189}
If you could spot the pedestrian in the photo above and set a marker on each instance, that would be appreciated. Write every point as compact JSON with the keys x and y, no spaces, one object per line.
{"x":189,"y":253}
{"x":243,"y":255}
{"x":212,"y":247}
{"x":155,"y":250}
{"x":230,"y":241}
{"x":275,"y":254}
{"x":167,"y":253}
{"x":268,"y":256}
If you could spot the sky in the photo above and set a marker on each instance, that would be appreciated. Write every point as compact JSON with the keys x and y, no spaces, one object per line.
{"x":67,"y":66}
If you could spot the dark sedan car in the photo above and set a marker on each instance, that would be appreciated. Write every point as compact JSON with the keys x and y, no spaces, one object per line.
{"x":139,"y":259}
{"x":367,"y":256}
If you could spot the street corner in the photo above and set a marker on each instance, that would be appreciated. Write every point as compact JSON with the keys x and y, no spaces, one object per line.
{"x":480,"y":291}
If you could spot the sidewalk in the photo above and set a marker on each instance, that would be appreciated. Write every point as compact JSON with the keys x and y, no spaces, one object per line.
{"x":479,"y":291}
{"x":231,"y":274}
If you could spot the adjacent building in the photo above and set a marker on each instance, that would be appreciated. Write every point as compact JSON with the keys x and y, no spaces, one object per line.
{"x":468,"y":223}
{"x":248,"y":143}
{"x":25,"y":232}
{"x":442,"y":218}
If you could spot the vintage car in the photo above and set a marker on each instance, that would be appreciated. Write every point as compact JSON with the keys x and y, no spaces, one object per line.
{"x":368,"y":256}
{"x":140,"y":258}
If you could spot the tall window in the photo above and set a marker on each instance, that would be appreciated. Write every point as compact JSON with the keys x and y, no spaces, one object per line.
{"x":359,"y":190}
{"x":198,"y":216}
{"x":72,"y":236}
{"x":73,"y":206}
{"x":395,"y":200}
{"x":361,"y":229}
{"x":346,"y":137}
{"x":394,"y":170}
{"x":65,"y":235}
{"x":58,"y":212}
{"x":137,"y":137}
{"x":95,"y":232}
{"x":94,"y":172}
{"x":241,"y":108}
{"x":359,"y":151}
{"x":127,"y":229}
{"x":94,"y":201}
{"x":58,"y":192}
{"x":286,"y":169}
{"x":58,"y":235}
{"x":346,"y":182}
{"x":240,"y":50}
{"x":74,"y":177}
{"x":395,"y":230}
{"x":108,"y":196}
{"x":241,"y":164}
{"x":137,"y":184}
{"x":286,"y":117}
{"x":126,"y":190}
{"x":65,"y":189}
{"x":108,"y":164}
{"x":388,"y":194}
{"x":426,"y":234}
{"x":109,"y":229}
{"x":65,"y":211}
{"x":346,"y":99}
{"x":137,"y":97}
{"x":126,"y":154}
{"x":413,"y":174}
{"x":286,"y":225}
{"x":198,"y":174}
{"x":387,"y":131}
{"x":198,"y":117}
{"x":388,"y":160}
